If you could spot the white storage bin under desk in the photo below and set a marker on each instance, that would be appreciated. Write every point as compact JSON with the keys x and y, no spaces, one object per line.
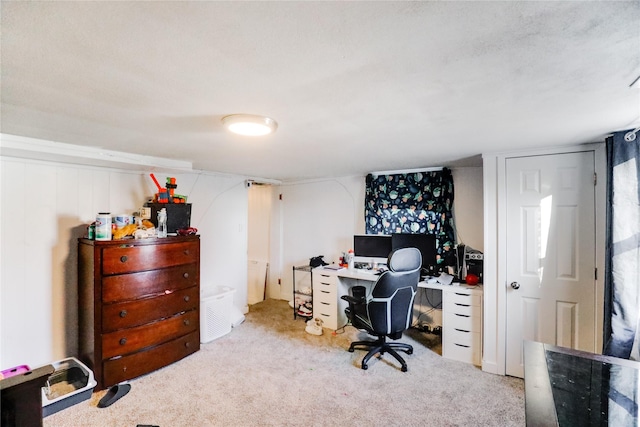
{"x":215,"y":313}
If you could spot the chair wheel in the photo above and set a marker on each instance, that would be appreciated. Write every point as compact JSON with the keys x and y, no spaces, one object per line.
{"x":350,"y":350}
{"x":404,"y":369}
{"x":410,"y":351}
{"x":365,"y":366}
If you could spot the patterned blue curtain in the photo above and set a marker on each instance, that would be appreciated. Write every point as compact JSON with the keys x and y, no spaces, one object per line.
{"x":419,"y":202}
{"x":622,"y":275}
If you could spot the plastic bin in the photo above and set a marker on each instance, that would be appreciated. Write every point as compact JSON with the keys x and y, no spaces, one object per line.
{"x":215,"y":313}
{"x":71,"y":383}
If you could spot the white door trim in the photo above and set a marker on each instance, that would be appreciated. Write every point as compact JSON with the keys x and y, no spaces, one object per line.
{"x":494,"y":269}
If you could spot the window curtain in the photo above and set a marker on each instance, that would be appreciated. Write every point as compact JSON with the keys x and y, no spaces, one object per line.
{"x":622,"y":275}
{"x":420,"y":202}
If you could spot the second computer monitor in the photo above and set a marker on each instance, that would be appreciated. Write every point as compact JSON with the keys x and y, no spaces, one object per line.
{"x":371,"y":248}
{"x":426,"y":244}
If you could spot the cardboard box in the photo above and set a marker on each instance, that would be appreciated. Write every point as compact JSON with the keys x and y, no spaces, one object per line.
{"x":178,"y":215}
{"x":70,"y":383}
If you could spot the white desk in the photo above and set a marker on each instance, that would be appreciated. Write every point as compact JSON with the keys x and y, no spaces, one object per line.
{"x":461,"y":309}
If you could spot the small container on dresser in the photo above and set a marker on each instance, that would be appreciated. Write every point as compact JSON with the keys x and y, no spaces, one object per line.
{"x":138,"y":305}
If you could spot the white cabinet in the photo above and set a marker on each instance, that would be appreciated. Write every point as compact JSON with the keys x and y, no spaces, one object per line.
{"x":328,"y":286}
{"x":462,"y":325}
{"x":325,"y":298}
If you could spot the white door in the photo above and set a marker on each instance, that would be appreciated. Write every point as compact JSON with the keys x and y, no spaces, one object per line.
{"x":551,"y":247}
{"x":259,"y":243}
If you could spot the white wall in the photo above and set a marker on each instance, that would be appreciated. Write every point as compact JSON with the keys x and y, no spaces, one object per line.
{"x":317,"y":218}
{"x":321,"y":217}
{"x":46,"y":206}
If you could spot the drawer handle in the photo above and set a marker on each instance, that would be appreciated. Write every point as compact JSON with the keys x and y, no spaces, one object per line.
{"x":325,"y":303}
{"x":123,"y":313}
{"x":185,"y":275}
{"x":124,"y":369}
{"x":461,"y":315}
{"x":187,"y":344}
{"x":461,"y":330}
{"x":123,"y":341}
{"x":186,"y":251}
{"x":123,"y":258}
{"x":186,"y":322}
{"x":325,"y":292}
{"x":186,"y":298}
{"x":462,"y":305}
{"x":462,"y":345}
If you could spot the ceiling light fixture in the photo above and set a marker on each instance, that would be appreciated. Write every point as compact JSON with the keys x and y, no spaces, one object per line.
{"x":249,"y":124}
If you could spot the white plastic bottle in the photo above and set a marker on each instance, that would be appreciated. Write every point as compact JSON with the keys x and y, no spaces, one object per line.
{"x":103,"y":226}
{"x":162,"y":223}
{"x":350,"y":260}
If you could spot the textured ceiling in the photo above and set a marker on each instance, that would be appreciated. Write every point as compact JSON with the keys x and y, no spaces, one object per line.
{"x":355,"y":86}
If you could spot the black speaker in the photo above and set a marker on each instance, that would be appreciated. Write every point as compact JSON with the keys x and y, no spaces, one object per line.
{"x":178,"y":215}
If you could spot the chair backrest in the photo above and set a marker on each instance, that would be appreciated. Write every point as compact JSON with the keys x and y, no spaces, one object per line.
{"x":391,"y":304}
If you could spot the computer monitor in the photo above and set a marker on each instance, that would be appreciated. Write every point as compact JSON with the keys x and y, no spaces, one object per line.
{"x":371,"y":248}
{"x":426,"y":244}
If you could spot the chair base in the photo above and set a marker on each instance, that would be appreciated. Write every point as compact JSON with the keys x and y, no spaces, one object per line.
{"x":381,"y":346}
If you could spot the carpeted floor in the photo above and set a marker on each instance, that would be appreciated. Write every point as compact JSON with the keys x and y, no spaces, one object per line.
{"x":269,"y":372}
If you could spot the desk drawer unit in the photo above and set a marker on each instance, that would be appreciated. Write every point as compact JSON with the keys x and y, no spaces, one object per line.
{"x":139,"y":305}
{"x":462,"y":325}
{"x":325,"y":299}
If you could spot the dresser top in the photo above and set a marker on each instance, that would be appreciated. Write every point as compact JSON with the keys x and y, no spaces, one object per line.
{"x":139,"y":242}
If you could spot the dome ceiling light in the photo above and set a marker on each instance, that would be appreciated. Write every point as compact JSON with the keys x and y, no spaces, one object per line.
{"x":249,"y":124}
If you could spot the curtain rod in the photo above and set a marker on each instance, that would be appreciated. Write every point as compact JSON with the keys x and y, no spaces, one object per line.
{"x":404,"y":171}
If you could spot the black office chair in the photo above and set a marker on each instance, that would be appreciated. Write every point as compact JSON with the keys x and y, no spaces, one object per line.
{"x":388,"y":312}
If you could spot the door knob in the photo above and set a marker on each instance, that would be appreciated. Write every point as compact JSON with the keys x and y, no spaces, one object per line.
{"x":515,"y":285}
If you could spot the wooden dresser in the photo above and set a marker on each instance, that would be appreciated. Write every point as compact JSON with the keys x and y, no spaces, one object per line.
{"x":139,"y":303}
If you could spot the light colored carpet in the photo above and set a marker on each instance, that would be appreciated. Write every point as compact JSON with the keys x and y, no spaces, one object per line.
{"x":269,"y":372}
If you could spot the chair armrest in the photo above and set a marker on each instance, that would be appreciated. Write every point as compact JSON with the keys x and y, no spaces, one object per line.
{"x":353,"y":300}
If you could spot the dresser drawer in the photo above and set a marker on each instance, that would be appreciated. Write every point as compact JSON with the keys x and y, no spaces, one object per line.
{"x":130,"y":258}
{"x":468,"y":350}
{"x":463,"y":297}
{"x":132,"y":286}
{"x":325,"y":293}
{"x":461,"y":337}
{"x":134,"y":365}
{"x":474,"y":311}
{"x":329,"y":317}
{"x":139,"y":312}
{"x":130,"y":340}
{"x":461,"y":321}
{"x":326,"y":279}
